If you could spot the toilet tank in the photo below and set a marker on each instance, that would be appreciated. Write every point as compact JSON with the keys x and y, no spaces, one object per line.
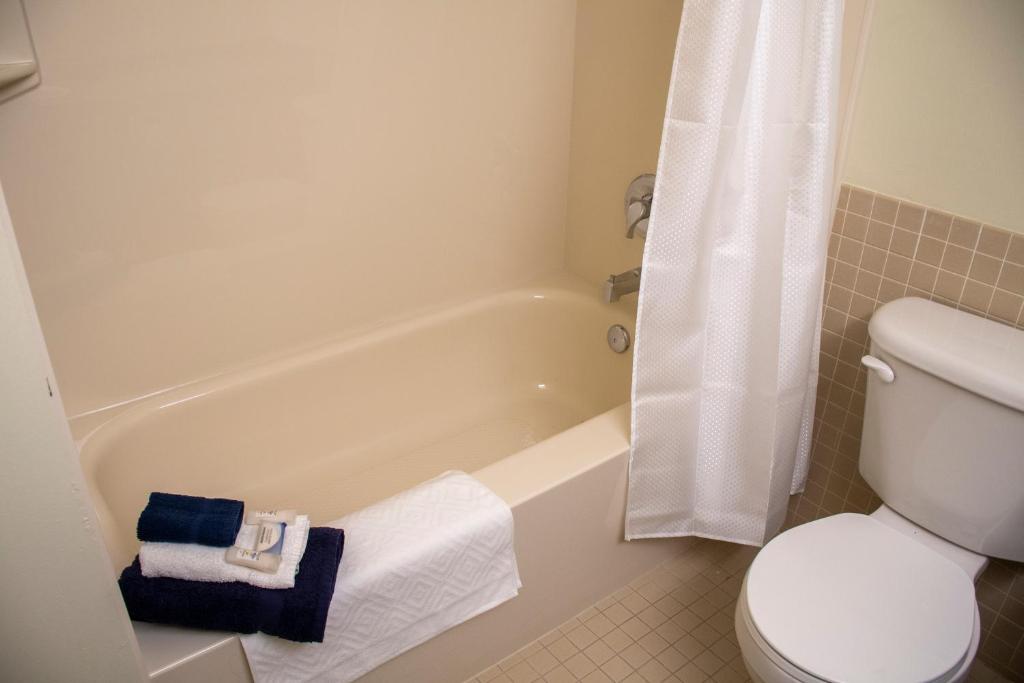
{"x":943,"y":442}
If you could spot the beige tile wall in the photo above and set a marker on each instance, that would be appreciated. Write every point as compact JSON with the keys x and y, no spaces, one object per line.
{"x":881,"y":249}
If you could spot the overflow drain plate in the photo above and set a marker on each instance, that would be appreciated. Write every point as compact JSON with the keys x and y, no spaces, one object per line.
{"x":618,"y":338}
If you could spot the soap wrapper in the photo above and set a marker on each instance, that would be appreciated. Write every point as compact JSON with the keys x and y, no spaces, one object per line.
{"x":266,"y":556}
{"x":270,"y":538}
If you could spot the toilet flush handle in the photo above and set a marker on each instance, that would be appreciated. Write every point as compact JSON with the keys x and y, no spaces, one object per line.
{"x":880,"y":367}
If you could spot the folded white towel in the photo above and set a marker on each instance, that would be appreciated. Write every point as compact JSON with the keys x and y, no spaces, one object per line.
{"x":414,"y":566}
{"x":194,"y":562}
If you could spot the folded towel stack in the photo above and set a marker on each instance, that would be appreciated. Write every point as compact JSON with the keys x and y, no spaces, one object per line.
{"x":298,"y":614}
{"x":181,"y":575}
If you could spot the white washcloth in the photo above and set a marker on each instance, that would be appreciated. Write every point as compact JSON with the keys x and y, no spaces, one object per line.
{"x":194,"y":562}
{"x":414,"y":566}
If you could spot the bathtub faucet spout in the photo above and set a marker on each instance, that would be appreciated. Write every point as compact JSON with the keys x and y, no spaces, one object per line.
{"x":623,"y":283}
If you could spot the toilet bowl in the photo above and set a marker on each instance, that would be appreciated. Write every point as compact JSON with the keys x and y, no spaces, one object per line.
{"x":890,"y":596}
{"x":859,"y":598}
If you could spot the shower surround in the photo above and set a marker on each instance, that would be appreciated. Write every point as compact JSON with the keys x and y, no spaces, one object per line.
{"x":198,"y":186}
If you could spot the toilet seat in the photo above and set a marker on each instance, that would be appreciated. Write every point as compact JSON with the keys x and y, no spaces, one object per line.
{"x":767,"y":666}
{"x":846,"y":598}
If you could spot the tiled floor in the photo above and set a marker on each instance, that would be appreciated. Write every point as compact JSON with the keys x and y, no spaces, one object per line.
{"x":674,"y":623}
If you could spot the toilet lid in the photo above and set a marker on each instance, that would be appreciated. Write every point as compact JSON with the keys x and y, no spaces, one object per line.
{"x":849,"y":599}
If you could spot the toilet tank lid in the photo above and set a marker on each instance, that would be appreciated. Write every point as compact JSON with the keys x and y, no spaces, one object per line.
{"x":980,"y":355}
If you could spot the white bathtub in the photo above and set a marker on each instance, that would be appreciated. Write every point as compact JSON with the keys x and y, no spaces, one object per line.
{"x":518,"y":388}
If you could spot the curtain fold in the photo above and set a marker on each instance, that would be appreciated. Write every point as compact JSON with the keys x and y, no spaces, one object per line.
{"x":725,"y":363}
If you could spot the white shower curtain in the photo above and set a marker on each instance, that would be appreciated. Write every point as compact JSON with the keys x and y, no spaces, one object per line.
{"x":725,"y":367}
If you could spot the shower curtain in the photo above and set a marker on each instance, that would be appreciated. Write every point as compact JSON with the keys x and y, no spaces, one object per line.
{"x":725,"y":366}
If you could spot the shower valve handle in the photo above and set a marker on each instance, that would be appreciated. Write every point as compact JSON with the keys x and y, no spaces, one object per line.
{"x":639,"y":196}
{"x":637,"y":214}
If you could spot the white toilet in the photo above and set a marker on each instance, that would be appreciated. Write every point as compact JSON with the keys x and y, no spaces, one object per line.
{"x":890,"y":596}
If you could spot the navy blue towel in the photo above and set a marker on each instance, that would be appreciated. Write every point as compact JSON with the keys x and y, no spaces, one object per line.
{"x":190,"y":519}
{"x":298,"y":613}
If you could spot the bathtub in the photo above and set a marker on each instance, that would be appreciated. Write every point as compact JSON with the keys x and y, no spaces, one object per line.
{"x":518,"y":388}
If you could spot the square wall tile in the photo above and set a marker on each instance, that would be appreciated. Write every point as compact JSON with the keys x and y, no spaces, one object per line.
{"x":910,"y":217}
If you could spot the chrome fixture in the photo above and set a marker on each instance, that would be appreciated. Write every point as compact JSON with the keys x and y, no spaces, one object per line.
{"x":623,"y":283}
{"x":639,"y":196}
{"x":618,"y":338}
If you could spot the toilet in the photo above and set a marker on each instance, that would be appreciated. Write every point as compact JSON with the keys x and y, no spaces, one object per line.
{"x":890,"y":596}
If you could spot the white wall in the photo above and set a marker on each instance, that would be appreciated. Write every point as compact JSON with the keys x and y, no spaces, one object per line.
{"x":199,"y":183}
{"x":940,"y":115}
{"x":61,"y":615}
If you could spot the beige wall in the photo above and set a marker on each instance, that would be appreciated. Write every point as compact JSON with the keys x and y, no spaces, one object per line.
{"x":939,"y":116}
{"x":623,"y":65}
{"x":196,"y":184}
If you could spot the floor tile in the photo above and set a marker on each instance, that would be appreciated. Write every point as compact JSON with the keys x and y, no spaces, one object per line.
{"x":581,"y":637}
{"x":617,"y":669}
{"x":725,"y":650}
{"x":671,"y":659}
{"x":542,"y":661}
{"x":653,"y":617}
{"x":635,"y":628}
{"x":634,"y":602}
{"x":559,"y":675}
{"x":670,"y":631}
{"x":635,"y":655}
{"x":708,"y":662}
{"x":617,"y":640}
{"x":562,"y":649}
{"x":654,"y":672}
{"x":653,"y":643}
{"x":580,"y":665}
{"x":668,"y":606}
{"x":550,"y":637}
{"x":487,"y":674}
{"x":599,"y":653}
{"x":691,"y":674}
{"x":522,"y":673}
{"x":651,"y":592}
{"x":599,"y":625}
{"x":688,"y":646}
